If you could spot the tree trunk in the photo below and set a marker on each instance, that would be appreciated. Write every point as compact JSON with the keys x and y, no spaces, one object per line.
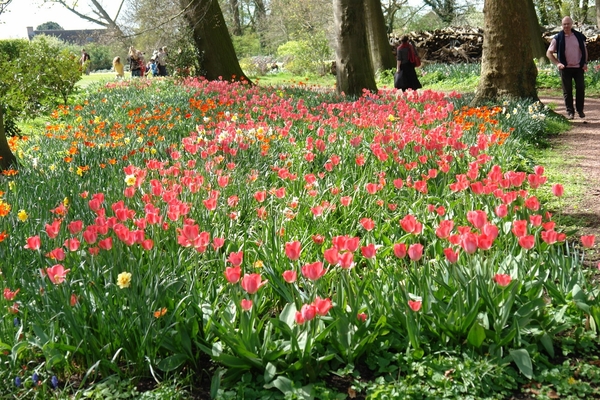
{"x":354,"y":70}
{"x":584,"y":11}
{"x":544,"y":12}
{"x":538,"y":46}
{"x":216,"y":54}
{"x":382,"y":57}
{"x":597,"y":13}
{"x":7,"y":158}
{"x":507,"y":67}
{"x":236,"y":30}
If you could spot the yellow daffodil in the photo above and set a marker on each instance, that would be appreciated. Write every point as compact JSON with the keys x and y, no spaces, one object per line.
{"x":22,"y":215}
{"x":124,"y":280}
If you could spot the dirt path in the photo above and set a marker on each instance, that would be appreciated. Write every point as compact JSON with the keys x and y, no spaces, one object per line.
{"x":580,"y":150}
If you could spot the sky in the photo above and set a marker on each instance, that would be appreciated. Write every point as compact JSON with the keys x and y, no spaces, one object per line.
{"x":23,"y":13}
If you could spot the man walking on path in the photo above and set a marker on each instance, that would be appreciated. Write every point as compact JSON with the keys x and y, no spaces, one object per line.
{"x":571,"y":60}
{"x":161,"y":60}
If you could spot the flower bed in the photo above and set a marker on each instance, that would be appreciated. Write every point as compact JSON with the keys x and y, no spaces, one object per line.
{"x":283,"y":232}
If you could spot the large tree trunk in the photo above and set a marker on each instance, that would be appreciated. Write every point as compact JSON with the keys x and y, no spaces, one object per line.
{"x":354,"y":70}
{"x":382,"y":57}
{"x":598,"y":13}
{"x":216,"y":53}
{"x":507,"y":67}
{"x":7,"y":158}
{"x":538,"y":45}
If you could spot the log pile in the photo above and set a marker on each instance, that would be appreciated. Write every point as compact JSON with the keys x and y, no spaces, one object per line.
{"x":449,"y":45}
{"x":455,"y":45}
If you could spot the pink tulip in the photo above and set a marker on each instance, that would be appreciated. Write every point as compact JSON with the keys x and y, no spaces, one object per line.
{"x":400,"y":250}
{"x":313,"y":271}
{"x":415,"y":251}
{"x":367,"y":223}
{"x":322,"y":306}
{"x":502,"y":279}
{"x":33,"y":243}
{"x":331,"y":255}
{"x":451,"y":255}
{"x":527,"y":242}
{"x":289,"y":276}
{"x":368,"y":251}
{"x":415,"y":305}
{"x":57,"y":273}
{"x":232,"y":274}
{"x":346,"y":260}
{"x":252,"y":282}
{"x":292,"y":250}
{"x":588,"y":241}
{"x":236,"y":259}
{"x":246,"y":304}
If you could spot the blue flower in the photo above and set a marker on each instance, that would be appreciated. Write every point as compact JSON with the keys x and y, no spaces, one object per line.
{"x":54,"y":381}
{"x":35,"y":378}
{"x":16,"y":322}
{"x":17,"y":381}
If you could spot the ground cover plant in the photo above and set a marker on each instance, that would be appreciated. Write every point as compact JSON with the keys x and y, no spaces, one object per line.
{"x":284,"y":234}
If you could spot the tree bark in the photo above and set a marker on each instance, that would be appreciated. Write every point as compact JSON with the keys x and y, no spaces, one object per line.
{"x":538,"y":46}
{"x":507,"y":67}
{"x":597,"y":3}
{"x":216,"y":53}
{"x":7,"y":158}
{"x":236,"y":30}
{"x":354,"y":69}
{"x":382,"y":57}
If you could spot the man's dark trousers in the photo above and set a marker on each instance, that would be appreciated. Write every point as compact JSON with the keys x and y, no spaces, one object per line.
{"x":567,"y":76}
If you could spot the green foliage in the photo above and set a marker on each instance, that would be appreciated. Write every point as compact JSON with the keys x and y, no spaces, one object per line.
{"x":306,"y":56}
{"x":247,"y":45}
{"x":35,"y":77}
{"x":50,"y":25}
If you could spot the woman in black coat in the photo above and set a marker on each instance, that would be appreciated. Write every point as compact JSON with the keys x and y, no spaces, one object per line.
{"x":406,"y":57}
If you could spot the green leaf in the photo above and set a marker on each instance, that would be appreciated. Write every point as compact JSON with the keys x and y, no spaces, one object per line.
{"x":270,"y":372}
{"x":284,"y":385}
{"x":548,"y":344}
{"x":215,"y":382}
{"x":171,"y":363}
{"x":476,"y":335}
{"x":523,"y":361}
{"x":288,"y":315}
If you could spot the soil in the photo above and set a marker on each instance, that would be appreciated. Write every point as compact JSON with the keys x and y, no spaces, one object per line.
{"x":580,"y":150}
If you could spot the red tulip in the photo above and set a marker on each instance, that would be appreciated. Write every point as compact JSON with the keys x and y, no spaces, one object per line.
{"x":252,"y":282}
{"x":400,"y":250}
{"x":246,"y":304}
{"x":9,"y":294}
{"x":322,"y":306}
{"x":308,"y":312}
{"x":415,"y":305}
{"x":57,"y":273}
{"x":451,"y":255}
{"x":501,"y":211}
{"x":588,"y":241}
{"x":332,"y":256}
{"x":558,"y":190}
{"x":346,"y":260}
{"x":468,"y":241}
{"x":33,"y":243}
{"x":289,"y":276}
{"x":368,"y":251}
{"x":236,"y":258}
{"x":502,"y":279}
{"x":367,"y":223}
{"x":527,"y":242}
{"x":232,"y":274}
{"x":444,"y":229}
{"x":292,"y":250}
{"x":477,"y":218}
{"x":519,"y":228}
{"x":415,"y":251}
{"x":313,"y":271}
{"x":75,"y":227}
{"x":549,"y":237}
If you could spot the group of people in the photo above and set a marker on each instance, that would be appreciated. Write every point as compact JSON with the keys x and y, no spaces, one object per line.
{"x":156,"y":66}
{"x":567,"y":51}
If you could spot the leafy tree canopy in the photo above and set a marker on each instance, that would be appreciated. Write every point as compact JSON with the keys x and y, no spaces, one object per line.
{"x":49,"y":26}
